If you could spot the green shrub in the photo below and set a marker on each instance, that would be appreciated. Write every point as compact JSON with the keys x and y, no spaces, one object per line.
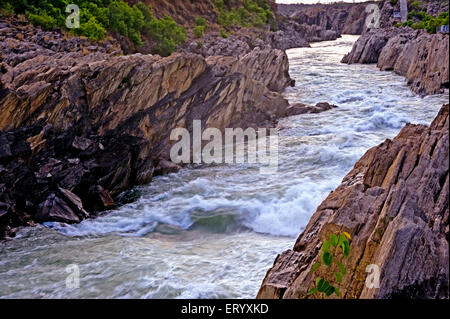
{"x":6,"y":9}
{"x":223,"y":34}
{"x":427,"y":22}
{"x":126,"y":20}
{"x":253,"y":13}
{"x":394,"y":2}
{"x":42,"y":19}
{"x":200,"y":27}
{"x":200,"y":21}
{"x":93,"y":30}
{"x":167,"y":35}
{"x":199,"y":30}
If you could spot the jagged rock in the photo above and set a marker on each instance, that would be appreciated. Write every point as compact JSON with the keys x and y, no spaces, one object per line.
{"x":81,"y":143}
{"x":63,"y":207}
{"x":421,"y":57}
{"x":395,"y":205}
{"x":165,"y":167}
{"x":300,"y":108}
{"x":100,"y":199}
{"x":342,"y":18}
{"x":267,"y":66}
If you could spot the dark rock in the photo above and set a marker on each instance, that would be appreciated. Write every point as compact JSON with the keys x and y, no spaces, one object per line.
{"x":56,"y":209}
{"x":165,"y":167}
{"x":300,"y":108}
{"x":81,"y":143}
{"x":100,"y":199}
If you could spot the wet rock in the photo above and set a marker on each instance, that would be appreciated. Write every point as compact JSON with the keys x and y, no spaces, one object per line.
{"x":165,"y":167}
{"x":100,"y":199}
{"x":81,"y":143}
{"x":300,"y":108}
{"x":395,"y":205}
{"x":65,"y":207}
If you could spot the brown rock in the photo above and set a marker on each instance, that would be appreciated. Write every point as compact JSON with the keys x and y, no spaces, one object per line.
{"x":66,"y":209}
{"x":421,"y":57}
{"x":395,"y":205}
{"x":165,"y":167}
{"x":300,"y":108}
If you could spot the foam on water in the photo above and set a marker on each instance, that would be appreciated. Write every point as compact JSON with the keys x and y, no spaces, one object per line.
{"x":213,"y":232}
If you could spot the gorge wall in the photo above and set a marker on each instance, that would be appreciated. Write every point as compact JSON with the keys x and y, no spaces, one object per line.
{"x":395,"y":205}
{"x":341,"y":18}
{"x":421,"y":57}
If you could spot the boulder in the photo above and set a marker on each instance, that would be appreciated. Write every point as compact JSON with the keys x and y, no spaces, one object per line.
{"x":300,"y":108}
{"x":63,"y":206}
{"x":165,"y":167}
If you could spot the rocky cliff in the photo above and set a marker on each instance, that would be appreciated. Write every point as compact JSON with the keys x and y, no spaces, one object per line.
{"x":341,"y":18}
{"x":79,"y":123}
{"x":421,"y":57}
{"x":395,"y":205}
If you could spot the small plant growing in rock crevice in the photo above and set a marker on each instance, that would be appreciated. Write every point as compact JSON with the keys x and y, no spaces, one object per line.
{"x":334,"y":268}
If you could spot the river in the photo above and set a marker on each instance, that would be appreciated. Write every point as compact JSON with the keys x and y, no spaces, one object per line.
{"x":213,"y":231}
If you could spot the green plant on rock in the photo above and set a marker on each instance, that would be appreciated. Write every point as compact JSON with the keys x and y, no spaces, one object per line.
{"x":200,"y":27}
{"x":334,"y":268}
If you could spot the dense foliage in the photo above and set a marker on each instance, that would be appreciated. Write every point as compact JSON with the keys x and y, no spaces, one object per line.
{"x":98,"y":16}
{"x":251,"y":13}
{"x":422,"y":20}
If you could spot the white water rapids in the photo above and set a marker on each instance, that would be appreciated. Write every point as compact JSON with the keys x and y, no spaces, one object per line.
{"x":214,"y":231}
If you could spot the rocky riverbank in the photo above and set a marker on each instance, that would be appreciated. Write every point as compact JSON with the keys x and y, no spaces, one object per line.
{"x":421,"y":57}
{"x":395,"y":205}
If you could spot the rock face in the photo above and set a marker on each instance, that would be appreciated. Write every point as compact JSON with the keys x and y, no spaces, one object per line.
{"x":94,"y":124}
{"x":421,"y":57}
{"x":342,"y":18}
{"x":395,"y":205}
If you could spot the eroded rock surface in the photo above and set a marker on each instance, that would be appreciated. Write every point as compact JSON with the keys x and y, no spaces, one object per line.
{"x":395,"y":205}
{"x":421,"y":57}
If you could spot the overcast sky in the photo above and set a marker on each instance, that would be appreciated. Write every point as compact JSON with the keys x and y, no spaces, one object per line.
{"x":314,"y":1}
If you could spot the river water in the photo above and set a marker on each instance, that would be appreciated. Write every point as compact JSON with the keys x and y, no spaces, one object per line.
{"x":214,"y":231}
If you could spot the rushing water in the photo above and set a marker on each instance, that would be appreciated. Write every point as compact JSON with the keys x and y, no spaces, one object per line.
{"x":214,"y":231}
